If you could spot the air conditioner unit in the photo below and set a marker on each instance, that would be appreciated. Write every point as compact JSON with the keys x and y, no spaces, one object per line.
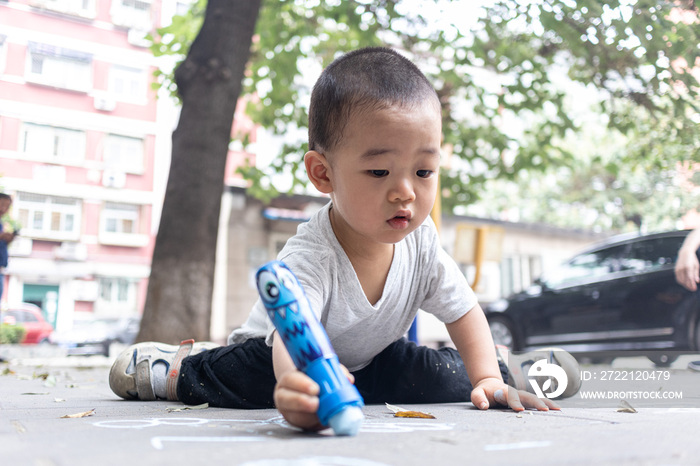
{"x":71,"y":252}
{"x":40,"y":3}
{"x":113,"y":179}
{"x":104,"y":104}
{"x":137,"y":38}
{"x":84,"y":290}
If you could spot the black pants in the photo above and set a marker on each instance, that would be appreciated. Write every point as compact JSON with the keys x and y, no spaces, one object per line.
{"x":241,"y":376}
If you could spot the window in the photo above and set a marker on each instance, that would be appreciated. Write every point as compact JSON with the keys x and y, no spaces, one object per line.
{"x":587,"y":268}
{"x":119,"y":226}
{"x":518,"y":272}
{"x":50,"y":217}
{"x":53,"y":143}
{"x":653,"y":254}
{"x":127,"y":84}
{"x":22,"y":316}
{"x":132,"y":13}
{"x":116,"y":290}
{"x":83,"y":8}
{"x":174,"y":8}
{"x":123,"y":154}
{"x":183,"y":6}
{"x":116,"y":295}
{"x":55,"y":66}
{"x":120,"y":218}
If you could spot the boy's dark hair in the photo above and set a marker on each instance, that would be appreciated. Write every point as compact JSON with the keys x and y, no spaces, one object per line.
{"x":366,"y":79}
{"x":5,"y":196}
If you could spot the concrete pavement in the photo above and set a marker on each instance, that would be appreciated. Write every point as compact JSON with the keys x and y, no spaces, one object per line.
{"x":39,"y":386}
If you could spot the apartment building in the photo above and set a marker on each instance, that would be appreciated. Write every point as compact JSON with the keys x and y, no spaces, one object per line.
{"x":84,"y":151}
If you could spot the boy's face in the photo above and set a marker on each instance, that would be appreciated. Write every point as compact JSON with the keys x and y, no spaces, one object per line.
{"x":384,"y":173}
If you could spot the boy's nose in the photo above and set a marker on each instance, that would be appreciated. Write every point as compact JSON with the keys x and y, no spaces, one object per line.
{"x":402,"y":191}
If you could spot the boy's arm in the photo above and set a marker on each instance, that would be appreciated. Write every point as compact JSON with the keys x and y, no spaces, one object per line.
{"x":472,"y":337}
{"x":296,"y":394}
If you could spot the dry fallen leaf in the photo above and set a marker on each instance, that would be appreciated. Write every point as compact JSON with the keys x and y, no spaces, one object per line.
{"x":77,"y":415}
{"x":403,"y":412}
{"x":175,"y":409}
{"x":19,"y":427}
{"x":414,"y":414}
{"x":625,"y":407}
{"x":394,"y":409}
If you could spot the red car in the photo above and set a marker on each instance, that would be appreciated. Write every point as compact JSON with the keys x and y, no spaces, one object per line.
{"x":37,"y":329}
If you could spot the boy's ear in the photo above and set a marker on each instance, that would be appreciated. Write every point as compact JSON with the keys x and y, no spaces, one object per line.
{"x":317,"y":169}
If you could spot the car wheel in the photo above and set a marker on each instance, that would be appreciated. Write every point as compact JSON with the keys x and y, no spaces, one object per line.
{"x":662,"y":360}
{"x":502,"y":333}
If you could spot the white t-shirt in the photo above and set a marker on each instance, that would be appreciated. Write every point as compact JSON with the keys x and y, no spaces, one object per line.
{"x":422,"y":276}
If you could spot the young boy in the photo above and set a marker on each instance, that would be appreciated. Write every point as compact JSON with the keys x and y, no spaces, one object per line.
{"x":368,"y":261}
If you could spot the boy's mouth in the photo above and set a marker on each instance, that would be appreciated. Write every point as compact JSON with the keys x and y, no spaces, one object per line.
{"x":400,"y":220}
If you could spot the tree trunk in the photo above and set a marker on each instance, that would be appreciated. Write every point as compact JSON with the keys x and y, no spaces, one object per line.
{"x":178,"y":301}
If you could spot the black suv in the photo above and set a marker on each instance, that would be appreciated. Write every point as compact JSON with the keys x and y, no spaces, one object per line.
{"x":620,"y":297}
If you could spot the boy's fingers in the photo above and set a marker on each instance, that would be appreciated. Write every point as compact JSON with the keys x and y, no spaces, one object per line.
{"x":348,"y":374}
{"x":289,"y":402}
{"x":300,"y":382}
{"x":532,"y":401}
{"x":479,"y":399}
{"x":514,"y":400}
{"x":552,"y":405}
{"x":295,"y":398}
{"x":298,"y":409}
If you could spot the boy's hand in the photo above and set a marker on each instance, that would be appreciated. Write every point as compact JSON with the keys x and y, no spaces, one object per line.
{"x":296,"y":398}
{"x":493,"y":392}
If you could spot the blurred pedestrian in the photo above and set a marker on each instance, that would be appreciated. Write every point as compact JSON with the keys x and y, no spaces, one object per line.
{"x":688,"y":271}
{"x":6,"y":238}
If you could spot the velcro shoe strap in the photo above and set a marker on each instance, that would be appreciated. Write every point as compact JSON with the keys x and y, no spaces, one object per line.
{"x":143,"y":381}
{"x":174,"y":371}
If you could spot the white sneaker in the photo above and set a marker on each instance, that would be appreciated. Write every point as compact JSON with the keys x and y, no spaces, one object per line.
{"x":149,"y":371}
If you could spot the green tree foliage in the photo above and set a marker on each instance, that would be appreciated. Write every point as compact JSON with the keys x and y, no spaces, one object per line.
{"x":503,"y":78}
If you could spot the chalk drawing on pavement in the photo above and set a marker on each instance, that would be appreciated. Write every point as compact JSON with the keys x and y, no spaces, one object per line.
{"x":369,"y":426}
{"x":374,"y":426}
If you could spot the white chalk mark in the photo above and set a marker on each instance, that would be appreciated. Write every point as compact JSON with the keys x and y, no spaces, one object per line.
{"x":314,"y":461}
{"x":158,"y":442}
{"x":517,"y":445}
{"x":171,"y":421}
{"x":412,"y":425}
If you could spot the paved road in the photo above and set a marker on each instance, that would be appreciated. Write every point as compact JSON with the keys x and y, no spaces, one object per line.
{"x":38,"y":388}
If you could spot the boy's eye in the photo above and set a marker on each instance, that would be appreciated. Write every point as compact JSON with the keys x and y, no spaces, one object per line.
{"x":379,"y":173}
{"x":424,"y":173}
